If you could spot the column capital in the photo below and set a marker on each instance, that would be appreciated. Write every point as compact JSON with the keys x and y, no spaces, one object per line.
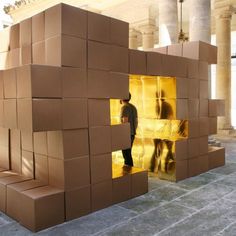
{"x":133,"y":33}
{"x":147,"y":29}
{"x":224,"y":12}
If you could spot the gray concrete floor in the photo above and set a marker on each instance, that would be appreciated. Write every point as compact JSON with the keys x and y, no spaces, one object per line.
{"x":198,"y":206}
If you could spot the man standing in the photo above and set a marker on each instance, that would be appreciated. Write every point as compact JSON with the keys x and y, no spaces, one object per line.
{"x":129,"y":114}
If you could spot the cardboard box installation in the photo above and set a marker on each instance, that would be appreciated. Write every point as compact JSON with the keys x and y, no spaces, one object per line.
{"x":216,"y":107}
{"x":26,"y":32}
{"x":181,"y":171}
{"x":175,"y":49}
{"x":38,"y":27}
{"x":154,"y":63}
{"x":41,"y":170}
{"x":137,"y":62}
{"x":216,"y":157}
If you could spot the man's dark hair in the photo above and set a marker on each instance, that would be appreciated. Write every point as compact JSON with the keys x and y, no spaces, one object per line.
{"x":127,"y":100}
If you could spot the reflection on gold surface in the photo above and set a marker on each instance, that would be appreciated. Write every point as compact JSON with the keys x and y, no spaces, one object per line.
{"x":158,"y":129}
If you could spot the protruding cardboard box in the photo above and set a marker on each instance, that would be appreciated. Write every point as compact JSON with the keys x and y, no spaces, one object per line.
{"x":14,"y":36}
{"x":38,"y":53}
{"x":67,"y":20}
{"x":41,"y":208}
{"x":101,"y":168}
{"x":193,"y":128}
{"x":154,"y":63}
{"x":27,"y":141}
{"x":77,"y":202}
{"x":26,"y":32}
{"x":74,"y":113}
{"x":100,"y":139}
{"x":216,"y":107}
{"x":203,"y":107}
{"x":64,"y":50}
{"x":68,"y":144}
{"x":119,"y":85}
{"x":38,"y":27}
{"x":98,"y":112}
{"x":175,"y":49}
{"x":74,"y":82}
{"x":203,"y":145}
{"x":193,"y":147}
{"x":14,"y":196}
{"x":69,"y":174}
{"x":99,"y":55}
{"x":28,"y":164}
{"x":10,"y":113}
{"x":193,"y":88}
{"x":181,"y":171}
{"x":212,"y":125}
{"x":203,"y":70}
{"x":181,"y":150}
{"x":98,"y":27}
{"x":41,"y":168}
{"x":137,"y":62}
{"x":9,"y":80}
{"x":101,"y":195}
{"x":203,"y":126}
{"x":193,"y":69}
{"x":203,"y":89}
{"x":216,"y":157}
{"x":26,"y":55}
{"x":139,"y":182}
{"x":118,"y":131}
{"x":40,"y":143}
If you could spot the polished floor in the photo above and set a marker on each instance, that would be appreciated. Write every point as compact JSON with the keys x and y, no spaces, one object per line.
{"x":198,"y":206}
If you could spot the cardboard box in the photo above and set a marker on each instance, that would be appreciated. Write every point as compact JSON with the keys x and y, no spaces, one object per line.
{"x":4,"y":137}
{"x":162,"y":50}
{"x":193,"y":88}
{"x":38,"y":27}
{"x":77,"y":202}
{"x":27,"y":141}
{"x":98,"y":27}
{"x":5,"y":157}
{"x":67,"y":20}
{"x":203,"y":89}
{"x":26,"y":55}
{"x":40,"y":143}
{"x":212,"y":125}
{"x":137,"y":62}
{"x":212,"y":54}
{"x":193,"y":147}
{"x":37,"y":81}
{"x":216,"y":157}
{"x":119,"y":59}
{"x":216,"y":107}
{"x":98,"y":84}
{"x":28,"y":164}
{"x":203,"y":145}
{"x":193,"y":69}
{"x":100,"y":139}
{"x":74,"y":82}
{"x":10,"y":113}
{"x":5,"y":40}
{"x":101,"y":168}
{"x":1,"y":113}
{"x":181,"y":150}
{"x":203,"y":126}
{"x":14,"y":36}
{"x":1,"y":85}
{"x":15,"y":136}
{"x":182,"y":87}
{"x":193,"y":128}
{"x":119,"y":32}
{"x":41,"y":168}
{"x":203,"y":163}
{"x":26,"y":32}
{"x":3,"y":188}
{"x":120,"y":137}
{"x":14,"y":196}
{"x":98,"y":112}
{"x":139,"y":182}
{"x":64,"y":50}
{"x":203,"y":70}
{"x":203,"y":107}
{"x":14,"y":58}
{"x":69,"y":174}
{"x":154,"y":63}
{"x":74,"y":113}
{"x":68,"y":144}
{"x":193,"y":167}
{"x":39,"y":114}
{"x":175,"y":49}
{"x":9,"y":80}
{"x":41,"y":208}
{"x":182,"y":109}
{"x":99,"y":56}
{"x":119,"y":85}
{"x":101,"y":194}
{"x":38,"y":53}
{"x":181,"y":170}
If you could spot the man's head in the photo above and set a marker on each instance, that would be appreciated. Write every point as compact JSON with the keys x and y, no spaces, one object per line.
{"x":126,"y":100}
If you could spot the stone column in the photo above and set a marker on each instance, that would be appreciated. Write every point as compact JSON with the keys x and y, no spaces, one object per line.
{"x":200,"y":20}
{"x":168,"y":22}
{"x":223,"y":67}
{"x":133,"y":39}
{"x":147,"y":36}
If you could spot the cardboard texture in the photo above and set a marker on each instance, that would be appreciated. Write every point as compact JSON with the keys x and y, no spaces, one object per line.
{"x":182,"y":88}
{"x":216,"y":107}
{"x":181,"y":150}
{"x":193,"y":88}
{"x":38,"y":27}
{"x":26,"y":55}
{"x":26,"y":32}
{"x":137,"y":62}
{"x":203,"y":126}
{"x":14,"y":36}
{"x":40,"y":143}
{"x":203,"y":145}
{"x":193,"y":128}
{"x":139,"y":183}
{"x":212,"y":125}
{"x":28,"y":164}
{"x":193,"y":69}
{"x":181,"y":170}
{"x":216,"y":157}
{"x":9,"y":80}
{"x":41,"y":168}
{"x":10,"y":114}
{"x":193,"y":147}
{"x":38,"y":53}
{"x":203,"y":107}
{"x":154,"y":63}
{"x":175,"y":50}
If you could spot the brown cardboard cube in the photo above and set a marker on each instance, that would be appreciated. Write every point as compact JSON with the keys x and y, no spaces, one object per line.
{"x":216,"y":157}
{"x":68,"y":143}
{"x":203,"y":163}
{"x":38,"y":27}
{"x":41,"y":168}
{"x":181,"y":150}
{"x":193,"y":128}
{"x":27,"y":141}
{"x":101,"y":168}
{"x":4,"y":137}
{"x":100,"y":139}
{"x":74,"y":113}
{"x":175,"y":49}
{"x":99,"y":56}
{"x":193,"y":167}
{"x":5,"y":40}
{"x":193,"y":69}
{"x":101,"y":194}
{"x":14,"y":196}
{"x":5,"y":158}
{"x":40,"y":143}
{"x":120,"y":137}
{"x":137,"y":62}
{"x":203,"y":70}
{"x":10,"y":113}
{"x":162,"y":50}
{"x":38,"y":53}
{"x":41,"y":208}
{"x":15,"y":150}
{"x":14,"y":36}
{"x":203,"y":145}
{"x":98,"y":27}
{"x":14,"y":58}
{"x":182,"y":88}
{"x":119,"y":32}
{"x":74,"y":82}
{"x":203,"y":107}
{"x":216,"y":107}
{"x":119,"y":85}
{"x":98,"y":84}
{"x":193,"y":147}
{"x":203,"y":89}
{"x":64,"y":50}
{"x":119,"y":59}
{"x":181,"y":171}
{"x":212,"y":125}
{"x":26,"y":32}
{"x":203,"y":126}
{"x":69,"y":174}
{"x":99,"y":112}
{"x":28,"y":164}
{"x":26,"y":55}
{"x":212,"y":54}
{"x":154,"y":63}
{"x":37,"y":81}
{"x":1,"y":113}
{"x":7,"y":173}
{"x":3,"y":188}
{"x":9,"y":80}
{"x":39,"y":114}
{"x":67,"y":20}
{"x":77,"y":202}
{"x":193,"y":88}
{"x":139,"y":182}
{"x":1,"y":85}
{"x":182,"y":109}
